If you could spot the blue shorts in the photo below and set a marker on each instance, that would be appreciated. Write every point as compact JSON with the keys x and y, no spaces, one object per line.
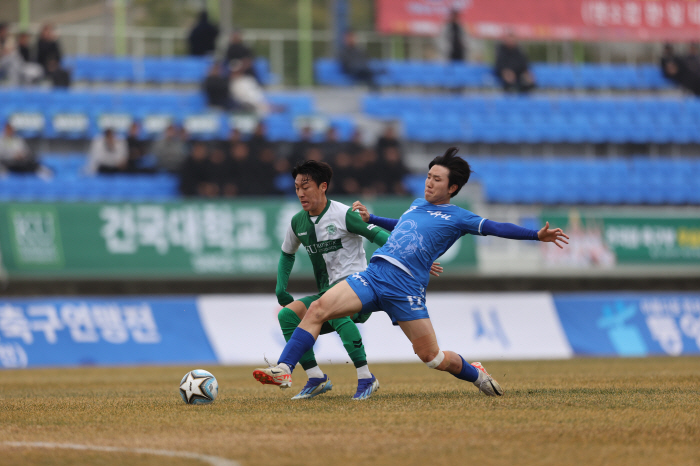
{"x":385,"y":287}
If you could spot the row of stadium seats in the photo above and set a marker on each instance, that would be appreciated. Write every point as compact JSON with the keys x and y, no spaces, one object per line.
{"x":507,"y":119}
{"x":479,"y":75}
{"x":160,"y":70}
{"x":83,"y":114}
{"x":512,"y":180}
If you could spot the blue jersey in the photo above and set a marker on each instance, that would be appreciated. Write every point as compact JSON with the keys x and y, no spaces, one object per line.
{"x":423,"y":233}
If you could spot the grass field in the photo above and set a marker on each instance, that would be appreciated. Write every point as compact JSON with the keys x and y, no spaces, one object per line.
{"x":585,"y":411}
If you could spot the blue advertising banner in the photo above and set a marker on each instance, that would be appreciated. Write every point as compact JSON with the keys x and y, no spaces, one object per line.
{"x":101,"y":331}
{"x":632,"y":325}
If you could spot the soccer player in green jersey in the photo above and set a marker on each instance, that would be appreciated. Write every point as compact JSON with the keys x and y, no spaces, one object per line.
{"x":332,"y":235}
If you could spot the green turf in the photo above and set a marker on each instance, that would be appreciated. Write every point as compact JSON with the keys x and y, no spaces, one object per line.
{"x":585,"y":411}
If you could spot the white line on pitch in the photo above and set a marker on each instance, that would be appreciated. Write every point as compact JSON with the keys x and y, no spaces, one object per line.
{"x":213,"y":460}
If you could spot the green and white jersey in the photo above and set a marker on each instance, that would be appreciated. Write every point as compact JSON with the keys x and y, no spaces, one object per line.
{"x":333,"y":240}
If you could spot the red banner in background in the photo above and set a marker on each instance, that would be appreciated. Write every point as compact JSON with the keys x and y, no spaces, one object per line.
{"x":618,"y":20}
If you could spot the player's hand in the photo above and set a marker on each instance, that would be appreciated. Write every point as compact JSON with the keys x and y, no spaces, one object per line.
{"x":358,"y":207}
{"x":284,"y":298}
{"x":552,"y":236}
{"x":435,"y":269}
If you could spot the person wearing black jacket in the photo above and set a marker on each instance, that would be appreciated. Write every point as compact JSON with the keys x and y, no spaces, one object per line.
{"x":202,"y":38}
{"x":512,"y":67}
{"x":47,"y":46}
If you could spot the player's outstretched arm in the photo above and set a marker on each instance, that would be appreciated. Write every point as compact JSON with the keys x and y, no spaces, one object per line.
{"x":386,"y":223}
{"x":556,"y":236}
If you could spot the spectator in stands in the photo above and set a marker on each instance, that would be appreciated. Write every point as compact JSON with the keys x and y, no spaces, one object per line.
{"x":108,"y":154}
{"x":512,"y":66}
{"x":452,"y":41}
{"x":331,"y":144}
{"x":238,"y":53}
{"x":692,"y":59}
{"x":136,"y":148}
{"x":345,"y":178}
{"x":202,"y":37}
{"x":301,"y":147}
{"x":13,"y":67}
{"x":24,"y":46}
{"x":216,"y":88}
{"x":355,"y":145}
{"x":170,"y":150}
{"x":194,"y":177}
{"x":240,"y":177}
{"x":219,"y":182}
{"x":247,"y":93}
{"x":16,"y":157}
{"x":677,"y":70}
{"x":47,"y":46}
{"x":258,"y":140}
{"x":355,"y":63}
{"x":388,"y":139}
{"x":266,"y":171}
{"x":4,"y":33}
{"x":57,"y":75}
{"x":393,"y":171}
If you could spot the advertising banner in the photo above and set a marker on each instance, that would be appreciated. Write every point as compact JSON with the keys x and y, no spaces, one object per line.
{"x":631,"y":324}
{"x":602,"y":240}
{"x":183,"y":239}
{"x":244,"y":329}
{"x":72,"y":332}
{"x":621,"y":20}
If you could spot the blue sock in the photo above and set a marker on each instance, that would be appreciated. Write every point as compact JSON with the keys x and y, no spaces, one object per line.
{"x":299,"y":343}
{"x":468,"y":372}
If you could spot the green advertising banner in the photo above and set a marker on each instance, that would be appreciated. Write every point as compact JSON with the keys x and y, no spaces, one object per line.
{"x":185,"y":239}
{"x":607,"y":239}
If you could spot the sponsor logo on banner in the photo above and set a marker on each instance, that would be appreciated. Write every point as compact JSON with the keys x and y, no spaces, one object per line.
{"x":98,"y":331}
{"x":631,"y":325}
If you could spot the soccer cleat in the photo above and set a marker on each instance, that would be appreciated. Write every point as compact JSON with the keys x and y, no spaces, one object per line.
{"x":365,"y":388}
{"x":273,"y":376}
{"x":315,"y":386}
{"x":485,"y":383}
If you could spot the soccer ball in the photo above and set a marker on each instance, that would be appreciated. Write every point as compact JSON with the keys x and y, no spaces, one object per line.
{"x":199,"y":387}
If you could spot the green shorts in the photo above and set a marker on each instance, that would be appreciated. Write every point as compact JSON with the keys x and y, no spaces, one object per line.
{"x":326,"y":328}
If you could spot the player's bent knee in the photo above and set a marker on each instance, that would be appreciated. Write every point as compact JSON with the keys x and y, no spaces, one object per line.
{"x":426,"y":348}
{"x":317,"y":312}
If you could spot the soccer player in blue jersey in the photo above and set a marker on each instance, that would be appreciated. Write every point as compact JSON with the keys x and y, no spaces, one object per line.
{"x":397,"y":275}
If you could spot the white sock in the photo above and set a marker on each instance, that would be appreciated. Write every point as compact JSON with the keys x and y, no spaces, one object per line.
{"x":314,"y":373}
{"x":363,"y":372}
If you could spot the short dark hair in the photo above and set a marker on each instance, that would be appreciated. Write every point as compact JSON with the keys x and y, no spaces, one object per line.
{"x":458,"y":167}
{"x":320,"y":172}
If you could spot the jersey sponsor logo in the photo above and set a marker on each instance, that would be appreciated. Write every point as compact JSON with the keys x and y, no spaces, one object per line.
{"x":303,"y":233}
{"x":439,"y":213}
{"x":324,"y":247}
{"x":331,"y":229}
{"x":357,"y":276}
{"x":369,"y":227}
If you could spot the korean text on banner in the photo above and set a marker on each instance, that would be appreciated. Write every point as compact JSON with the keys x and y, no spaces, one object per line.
{"x":641,"y":20}
{"x":101,"y":331}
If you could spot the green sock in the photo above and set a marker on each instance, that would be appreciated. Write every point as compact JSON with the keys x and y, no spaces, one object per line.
{"x":289,"y":320}
{"x":352,"y":340}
